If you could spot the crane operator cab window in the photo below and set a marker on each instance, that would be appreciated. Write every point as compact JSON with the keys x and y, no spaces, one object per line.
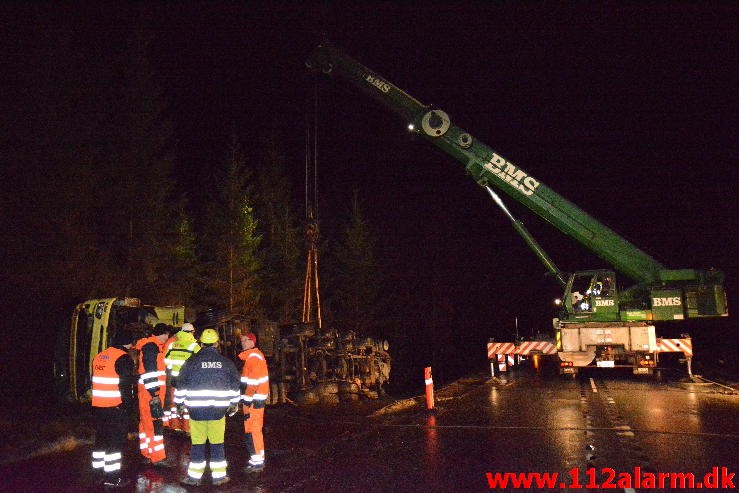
{"x":603,"y":286}
{"x":580,"y":296}
{"x":593,"y":292}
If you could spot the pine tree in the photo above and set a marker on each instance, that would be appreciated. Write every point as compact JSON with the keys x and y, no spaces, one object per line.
{"x":178,"y":280}
{"x":282,"y":273}
{"x":47,"y":161}
{"x":143,"y":225}
{"x":93,"y":161}
{"x":232,"y":241}
{"x":357,"y":281}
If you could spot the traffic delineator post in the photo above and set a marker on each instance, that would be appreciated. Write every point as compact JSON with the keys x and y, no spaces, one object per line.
{"x":429,"y":387}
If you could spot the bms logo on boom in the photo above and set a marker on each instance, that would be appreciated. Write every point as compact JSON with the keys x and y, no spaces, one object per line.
{"x":672,"y":301}
{"x":377,"y":82}
{"x":507,"y":171}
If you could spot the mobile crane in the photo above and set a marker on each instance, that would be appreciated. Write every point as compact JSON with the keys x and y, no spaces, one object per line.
{"x":599,"y":324}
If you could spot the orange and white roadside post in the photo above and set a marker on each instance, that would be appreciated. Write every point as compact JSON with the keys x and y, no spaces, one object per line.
{"x":429,"y":388}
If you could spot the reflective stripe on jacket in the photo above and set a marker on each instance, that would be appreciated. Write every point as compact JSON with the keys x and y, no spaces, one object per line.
{"x":254,"y":376}
{"x":106,"y":390}
{"x":167,"y":347}
{"x":184,"y":347}
{"x":151,"y":364}
{"x":208,"y":383}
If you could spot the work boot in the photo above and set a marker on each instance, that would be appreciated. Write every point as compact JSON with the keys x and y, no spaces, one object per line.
{"x":168,"y":462}
{"x":116,"y":483}
{"x":254,"y":468}
{"x":190,"y":481}
{"x":221,"y":481}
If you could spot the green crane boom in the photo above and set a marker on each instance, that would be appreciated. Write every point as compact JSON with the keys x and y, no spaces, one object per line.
{"x":701,"y":292}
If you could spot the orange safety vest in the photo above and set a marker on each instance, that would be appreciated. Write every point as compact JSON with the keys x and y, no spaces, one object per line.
{"x":105,"y":380}
{"x":254,"y":376}
{"x":152,"y":378}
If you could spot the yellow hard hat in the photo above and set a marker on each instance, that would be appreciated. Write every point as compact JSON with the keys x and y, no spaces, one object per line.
{"x":209,"y":336}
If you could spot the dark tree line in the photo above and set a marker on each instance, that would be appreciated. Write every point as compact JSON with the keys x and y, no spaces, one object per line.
{"x":92,"y":207}
{"x":95,"y":204}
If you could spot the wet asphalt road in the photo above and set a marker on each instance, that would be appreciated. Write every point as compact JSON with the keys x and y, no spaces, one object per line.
{"x":521,"y":422}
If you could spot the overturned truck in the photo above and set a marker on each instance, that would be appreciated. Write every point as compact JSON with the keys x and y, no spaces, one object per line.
{"x":89,"y":330}
{"x":308,"y":365}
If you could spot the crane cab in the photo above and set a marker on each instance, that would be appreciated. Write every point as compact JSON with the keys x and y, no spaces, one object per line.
{"x":679,"y":294}
{"x":591,"y":295}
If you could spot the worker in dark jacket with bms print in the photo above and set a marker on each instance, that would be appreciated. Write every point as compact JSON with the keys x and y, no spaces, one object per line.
{"x":208,"y":386}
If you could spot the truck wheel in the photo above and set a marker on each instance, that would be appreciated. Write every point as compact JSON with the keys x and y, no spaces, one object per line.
{"x":348,"y":396}
{"x":306,"y":397}
{"x":330,"y":399}
{"x":326,"y":388}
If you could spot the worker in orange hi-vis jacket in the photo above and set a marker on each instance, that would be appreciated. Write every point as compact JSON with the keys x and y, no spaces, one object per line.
{"x":113,"y":401}
{"x":151,"y":388}
{"x":255,"y":390}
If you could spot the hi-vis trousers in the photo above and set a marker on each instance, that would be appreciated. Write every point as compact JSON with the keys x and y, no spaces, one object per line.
{"x":151,"y":431}
{"x":253,"y":436}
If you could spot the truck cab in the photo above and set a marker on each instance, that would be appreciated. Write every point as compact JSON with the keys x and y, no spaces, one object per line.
{"x":92,"y":326}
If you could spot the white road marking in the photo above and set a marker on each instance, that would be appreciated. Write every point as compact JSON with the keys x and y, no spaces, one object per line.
{"x":626,"y":431}
{"x":592,"y":385}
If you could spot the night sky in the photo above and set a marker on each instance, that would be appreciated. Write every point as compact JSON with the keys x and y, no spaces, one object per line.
{"x":629,"y":110}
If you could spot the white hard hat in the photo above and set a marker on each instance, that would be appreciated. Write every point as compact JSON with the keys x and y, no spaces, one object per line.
{"x":188,"y":327}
